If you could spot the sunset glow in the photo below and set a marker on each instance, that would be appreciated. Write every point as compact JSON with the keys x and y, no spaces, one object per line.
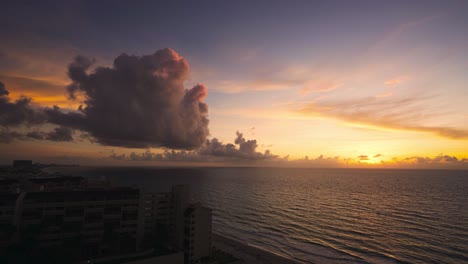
{"x":314,"y":84}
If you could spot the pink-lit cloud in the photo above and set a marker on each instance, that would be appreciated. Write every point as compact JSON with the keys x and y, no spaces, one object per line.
{"x":318,"y":86}
{"x":392,"y":113}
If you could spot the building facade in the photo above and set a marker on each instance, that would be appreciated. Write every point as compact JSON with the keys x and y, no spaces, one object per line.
{"x":83,"y":221}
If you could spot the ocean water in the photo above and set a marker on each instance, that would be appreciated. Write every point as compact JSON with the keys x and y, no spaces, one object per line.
{"x":326,"y":215}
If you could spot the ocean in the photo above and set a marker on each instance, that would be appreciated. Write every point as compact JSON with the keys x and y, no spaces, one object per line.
{"x":325,"y":215}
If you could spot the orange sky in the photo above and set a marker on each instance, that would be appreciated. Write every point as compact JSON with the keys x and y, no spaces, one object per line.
{"x":386,"y":94}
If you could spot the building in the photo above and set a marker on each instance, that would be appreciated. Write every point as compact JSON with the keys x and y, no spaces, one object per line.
{"x":188,"y":225}
{"x":180,"y":203}
{"x":22,"y":163}
{"x":56,"y":183}
{"x":9,"y":185}
{"x":7,"y":217}
{"x":156,"y":213}
{"x":84,"y":223}
{"x":69,"y":218}
{"x":197,"y":233}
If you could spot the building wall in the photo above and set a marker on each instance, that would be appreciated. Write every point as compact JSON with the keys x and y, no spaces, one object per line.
{"x":64,"y":213}
{"x":197,"y":233}
{"x":96,"y":222}
{"x":7,"y":216}
{"x":180,"y":203}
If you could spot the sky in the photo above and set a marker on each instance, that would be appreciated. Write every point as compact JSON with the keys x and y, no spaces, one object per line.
{"x":254,"y":83}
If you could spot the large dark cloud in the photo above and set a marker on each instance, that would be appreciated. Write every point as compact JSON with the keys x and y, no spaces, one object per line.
{"x":139,"y":102}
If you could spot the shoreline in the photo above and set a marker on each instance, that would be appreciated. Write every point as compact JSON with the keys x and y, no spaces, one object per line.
{"x":247,"y":253}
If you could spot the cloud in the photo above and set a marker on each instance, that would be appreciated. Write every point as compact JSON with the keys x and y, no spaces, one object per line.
{"x":36,"y":135}
{"x":257,"y":85}
{"x":19,"y":112}
{"x":393,"y":82}
{"x":363,"y":157}
{"x":3,"y":90}
{"x":25,"y":85}
{"x":319,"y":162}
{"x":318,"y":86}
{"x":22,"y":114}
{"x":392,"y":113}
{"x":242,"y":148}
{"x":440,"y":161}
{"x":378,"y":155}
{"x":167,"y":155}
{"x":384,"y":95}
{"x":213,"y":150}
{"x":7,"y":136}
{"x":57,"y":134}
{"x":60,"y":134}
{"x":139,"y":102}
{"x":44,"y":92}
{"x":275,"y":77}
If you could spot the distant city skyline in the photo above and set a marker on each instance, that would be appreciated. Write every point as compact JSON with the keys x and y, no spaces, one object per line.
{"x":262,"y":83}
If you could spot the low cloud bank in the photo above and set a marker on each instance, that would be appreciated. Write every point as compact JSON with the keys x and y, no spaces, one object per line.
{"x":213,"y":150}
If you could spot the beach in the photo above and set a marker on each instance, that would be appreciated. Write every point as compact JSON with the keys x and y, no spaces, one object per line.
{"x":246,"y":253}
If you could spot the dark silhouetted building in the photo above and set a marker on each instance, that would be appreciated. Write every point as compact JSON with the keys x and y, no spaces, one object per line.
{"x":72,"y":218}
{"x":22,"y":163}
{"x":197,"y":233}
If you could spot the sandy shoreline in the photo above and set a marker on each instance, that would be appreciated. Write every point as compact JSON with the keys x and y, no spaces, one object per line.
{"x":246,"y":253}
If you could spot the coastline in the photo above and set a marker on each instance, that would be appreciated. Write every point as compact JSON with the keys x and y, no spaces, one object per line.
{"x":246,"y":253}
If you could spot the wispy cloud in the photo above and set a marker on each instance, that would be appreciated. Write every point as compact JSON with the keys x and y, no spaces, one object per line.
{"x":391,"y":113}
{"x":404,"y":28}
{"x":44,"y":92}
{"x":231,"y":86}
{"x":393,"y":82}
{"x":318,"y":86}
{"x":384,"y":95}
{"x":305,"y":78}
{"x":363,"y":157}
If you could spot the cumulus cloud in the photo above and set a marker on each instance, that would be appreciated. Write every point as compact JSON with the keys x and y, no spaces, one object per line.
{"x":213,"y":150}
{"x":139,"y":102}
{"x":242,"y":148}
